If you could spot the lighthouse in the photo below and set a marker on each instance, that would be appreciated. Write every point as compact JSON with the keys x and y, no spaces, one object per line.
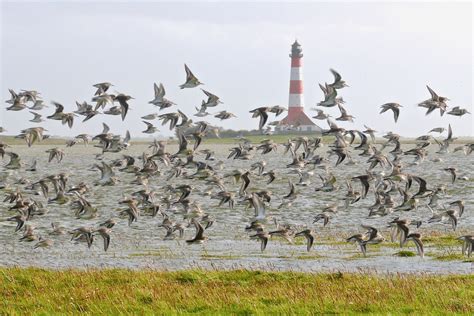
{"x":297,"y":120}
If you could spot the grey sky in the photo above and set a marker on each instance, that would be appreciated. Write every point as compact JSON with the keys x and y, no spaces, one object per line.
{"x":386,"y":53}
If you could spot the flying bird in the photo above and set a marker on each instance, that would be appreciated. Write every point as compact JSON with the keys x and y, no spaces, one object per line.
{"x":394,"y":107}
{"x":191,"y":80}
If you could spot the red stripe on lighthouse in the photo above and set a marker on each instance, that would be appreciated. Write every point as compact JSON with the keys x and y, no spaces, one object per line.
{"x":293,"y":113}
{"x":296,"y":86}
{"x":295,"y":62}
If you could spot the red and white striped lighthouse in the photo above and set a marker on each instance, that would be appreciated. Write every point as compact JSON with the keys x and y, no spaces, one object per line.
{"x":296,"y":101}
{"x":296,"y":117}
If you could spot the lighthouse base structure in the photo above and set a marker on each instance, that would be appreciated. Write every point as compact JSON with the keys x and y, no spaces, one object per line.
{"x":297,"y":121}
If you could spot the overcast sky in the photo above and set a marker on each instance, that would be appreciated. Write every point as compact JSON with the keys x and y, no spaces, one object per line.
{"x":385,"y":52}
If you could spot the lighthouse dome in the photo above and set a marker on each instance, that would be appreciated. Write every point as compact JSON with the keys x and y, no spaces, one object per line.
{"x":296,"y":50}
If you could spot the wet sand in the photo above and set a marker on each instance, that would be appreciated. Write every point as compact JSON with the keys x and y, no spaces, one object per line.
{"x":142,"y":246}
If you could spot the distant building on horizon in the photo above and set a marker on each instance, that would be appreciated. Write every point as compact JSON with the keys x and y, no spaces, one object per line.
{"x":296,"y":120}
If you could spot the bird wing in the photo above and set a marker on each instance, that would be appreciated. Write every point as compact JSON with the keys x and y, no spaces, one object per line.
{"x":465,"y":245}
{"x":263,"y":244}
{"x":419,"y":246}
{"x":325,"y":91}
{"x":372,"y":231}
{"x":160,"y":91}
{"x":337,"y":76}
{"x":363,"y":247}
{"x":365,"y":183}
{"x":258,"y":206}
{"x":342,"y":109}
{"x":126,"y":140}
{"x":59,"y":107}
{"x":422,"y":184}
{"x":123,"y":107}
{"x":309,"y":241}
{"x":292,"y":188}
{"x":245,"y":183}
{"x":107,"y":171}
{"x":189,"y":74}
{"x":211,"y":96}
{"x":341,"y":156}
{"x":183,"y":142}
{"x":454,"y":221}
{"x":197,"y":140}
{"x":105,"y":129}
{"x":450,"y":133}
{"x":148,"y":124}
{"x":263,"y":119}
{"x":404,"y":233}
{"x":332,"y":125}
{"x":396,"y":113}
{"x":157,"y":90}
{"x":199,"y":230}
{"x":434,"y":96}
{"x":37,"y":115}
{"x":184,"y":117}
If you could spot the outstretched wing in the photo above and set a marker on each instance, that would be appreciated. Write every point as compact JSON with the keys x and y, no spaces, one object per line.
{"x":59,"y":107}
{"x":159,"y":90}
{"x":148,"y":124}
{"x":434,"y":96}
{"x":342,"y":109}
{"x":396,"y":113}
{"x":263,"y":119}
{"x":337,"y":76}
{"x":189,"y":74}
{"x":258,"y":206}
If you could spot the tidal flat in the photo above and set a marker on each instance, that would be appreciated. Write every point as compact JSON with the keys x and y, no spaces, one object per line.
{"x":142,"y":245}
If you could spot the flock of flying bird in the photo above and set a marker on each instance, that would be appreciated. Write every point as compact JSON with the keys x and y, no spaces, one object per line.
{"x":385,"y":177}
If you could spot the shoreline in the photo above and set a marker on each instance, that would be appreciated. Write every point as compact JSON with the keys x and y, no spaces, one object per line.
{"x":279,"y":138}
{"x":442,"y":257}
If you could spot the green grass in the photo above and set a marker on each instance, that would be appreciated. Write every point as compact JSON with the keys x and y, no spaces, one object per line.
{"x":308,"y":257}
{"x":162,"y":254}
{"x":405,"y":253}
{"x":240,"y":292}
{"x":435,"y":238}
{"x":453,"y":257}
{"x":219,"y":257}
{"x":451,"y":254}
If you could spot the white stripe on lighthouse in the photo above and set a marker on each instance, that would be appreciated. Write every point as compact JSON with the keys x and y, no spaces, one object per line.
{"x":295,"y":100}
{"x":296,"y":74}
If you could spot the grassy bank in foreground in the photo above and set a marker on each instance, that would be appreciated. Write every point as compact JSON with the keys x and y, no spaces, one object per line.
{"x":34,"y":291}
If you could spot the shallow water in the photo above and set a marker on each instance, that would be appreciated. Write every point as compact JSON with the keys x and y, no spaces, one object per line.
{"x":229,"y":246}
